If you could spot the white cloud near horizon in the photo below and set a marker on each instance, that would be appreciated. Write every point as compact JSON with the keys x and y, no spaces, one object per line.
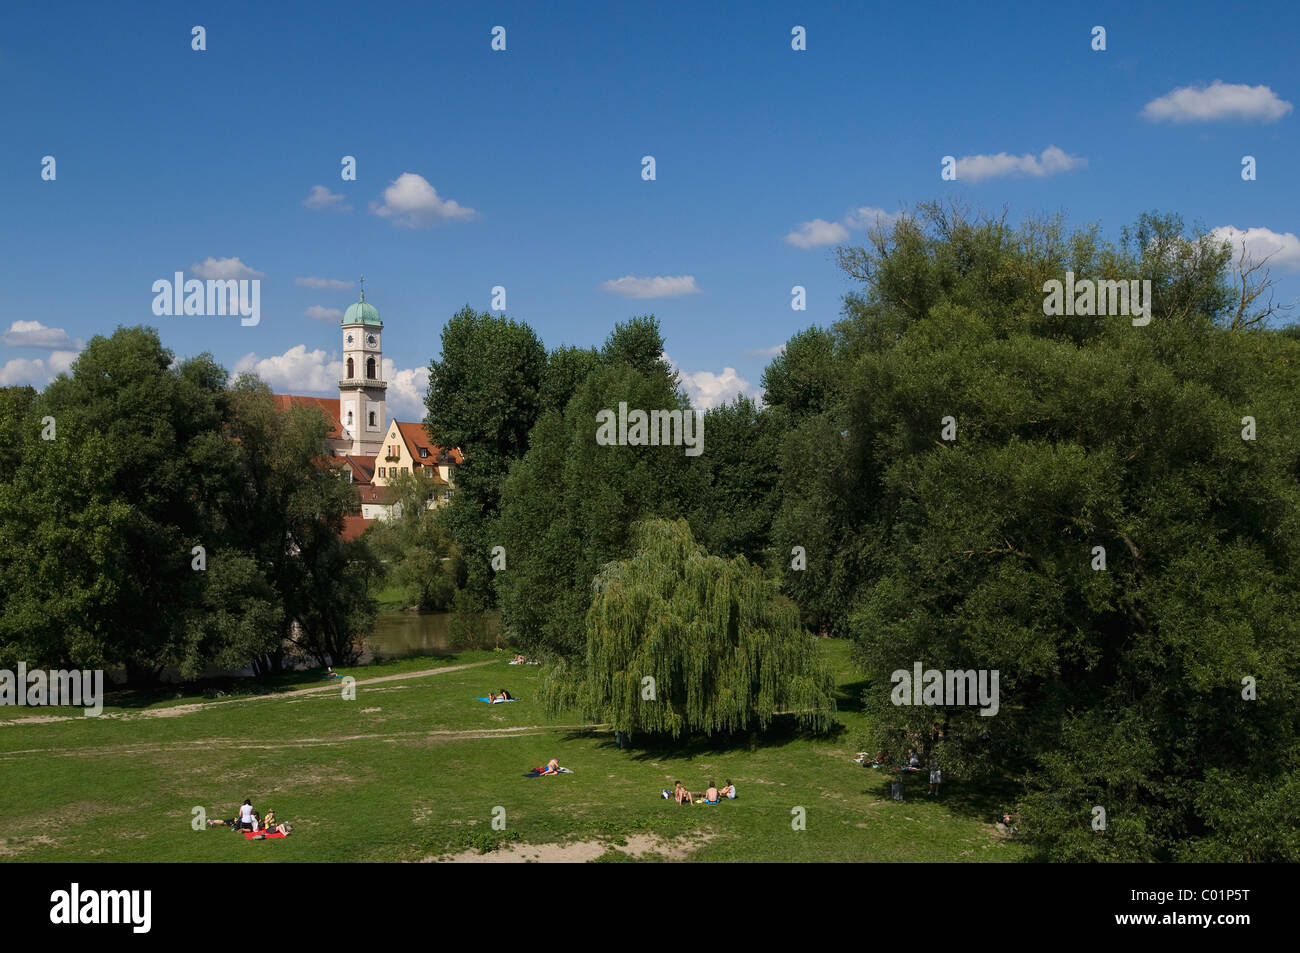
{"x":816,"y":233}
{"x":1215,"y":102}
{"x":411,"y":202}
{"x":224,"y":268}
{"x":323,"y":198}
{"x":36,"y":371}
{"x":707,"y":390}
{"x":331,"y":283}
{"x":300,"y":371}
{"x":1050,"y":161}
{"x":1282,"y":249}
{"x":819,"y":232}
{"x":767,"y":352}
{"x":658,"y":287}
{"x":34,"y":334}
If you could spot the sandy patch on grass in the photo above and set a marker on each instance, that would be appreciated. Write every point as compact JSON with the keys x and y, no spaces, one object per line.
{"x":177,"y":711}
{"x":213,"y":744}
{"x":581,"y":852}
{"x":16,"y":846}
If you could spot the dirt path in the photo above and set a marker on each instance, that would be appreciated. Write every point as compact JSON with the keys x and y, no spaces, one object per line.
{"x":140,"y":748}
{"x":177,"y":711}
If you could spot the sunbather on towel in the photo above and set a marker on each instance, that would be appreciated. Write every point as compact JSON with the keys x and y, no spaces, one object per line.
{"x":552,"y":767}
{"x":711,"y":794}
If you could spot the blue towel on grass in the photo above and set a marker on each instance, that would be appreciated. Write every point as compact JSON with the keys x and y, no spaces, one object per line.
{"x":490,"y":702}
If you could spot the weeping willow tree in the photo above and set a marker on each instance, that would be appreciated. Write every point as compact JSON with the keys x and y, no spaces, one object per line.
{"x":680,"y":641}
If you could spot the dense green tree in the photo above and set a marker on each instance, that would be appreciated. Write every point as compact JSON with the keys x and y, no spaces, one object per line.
{"x":742,"y":467}
{"x":418,"y":552}
{"x":1119,"y":687}
{"x":484,"y":397}
{"x":569,"y":505}
{"x":566,"y":369}
{"x":681,"y":641}
{"x":163,"y":474}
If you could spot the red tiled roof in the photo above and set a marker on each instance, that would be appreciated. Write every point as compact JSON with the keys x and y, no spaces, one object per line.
{"x":363,"y":468}
{"x":416,"y":437}
{"x":376,"y":494}
{"x":353,"y":527}
{"x":327,"y":405}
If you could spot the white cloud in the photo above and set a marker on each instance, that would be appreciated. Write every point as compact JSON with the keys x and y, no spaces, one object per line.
{"x":661,"y":287}
{"x":60,"y":362}
{"x":35,"y":334}
{"x":224,"y":268}
{"x":294,"y":371}
{"x":1282,"y":249}
{"x":406,"y":390}
{"x":320,"y":313}
{"x":817,"y":232}
{"x":411,"y":202}
{"x":869,"y":217}
{"x":820,"y":232}
{"x":1050,"y":162}
{"x":322,"y":197}
{"x":1219,"y":100}
{"x":23,"y":371}
{"x":767,"y":352}
{"x":707,"y":389}
{"x":332,"y":283}
{"x":300,"y":371}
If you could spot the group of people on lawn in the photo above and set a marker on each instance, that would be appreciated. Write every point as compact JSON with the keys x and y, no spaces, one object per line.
{"x":713,"y":795}
{"x":251,"y":820}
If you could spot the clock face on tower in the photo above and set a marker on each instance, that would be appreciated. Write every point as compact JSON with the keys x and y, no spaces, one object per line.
{"x":371,"y":340}
{"x":349,"y":339}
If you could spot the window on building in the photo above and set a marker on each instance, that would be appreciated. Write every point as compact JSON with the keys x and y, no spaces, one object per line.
{"x":349,"y":367}
{"x":424,"y":452}
{"x":372,"y":418}
{"x":370,"y":368}
{"x":381,"y":471}
{"x":349,"y":417}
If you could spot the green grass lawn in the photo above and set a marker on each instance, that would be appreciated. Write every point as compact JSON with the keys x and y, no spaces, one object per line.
{"x":414,"y":767}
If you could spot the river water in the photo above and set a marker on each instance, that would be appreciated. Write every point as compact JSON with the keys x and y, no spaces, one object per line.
{"x":401,"y":634}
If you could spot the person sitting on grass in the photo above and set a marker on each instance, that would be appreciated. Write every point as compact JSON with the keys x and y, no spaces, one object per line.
{"x":552,"y":767}
{"x":505,"y":696}
{"x":711,"y":795}
{"x":729,"y":790}
{"x":680,"y":793}
{"x":272,"y":826}
{"x":517,"y":660}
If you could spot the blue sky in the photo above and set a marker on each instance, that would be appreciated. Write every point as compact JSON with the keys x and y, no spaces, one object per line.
{"x":167,"y":157}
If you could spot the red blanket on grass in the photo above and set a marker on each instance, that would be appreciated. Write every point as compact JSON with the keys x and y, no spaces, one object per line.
{"x":249,"y":835}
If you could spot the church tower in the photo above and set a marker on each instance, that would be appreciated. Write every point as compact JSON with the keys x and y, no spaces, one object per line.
{"x":361,"y":392}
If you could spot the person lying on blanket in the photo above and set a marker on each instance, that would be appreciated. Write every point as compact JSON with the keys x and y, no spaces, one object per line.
{"x":552,"y":767}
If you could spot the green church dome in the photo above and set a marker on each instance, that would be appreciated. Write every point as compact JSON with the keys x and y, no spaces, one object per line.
{"x":362,"y":313}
